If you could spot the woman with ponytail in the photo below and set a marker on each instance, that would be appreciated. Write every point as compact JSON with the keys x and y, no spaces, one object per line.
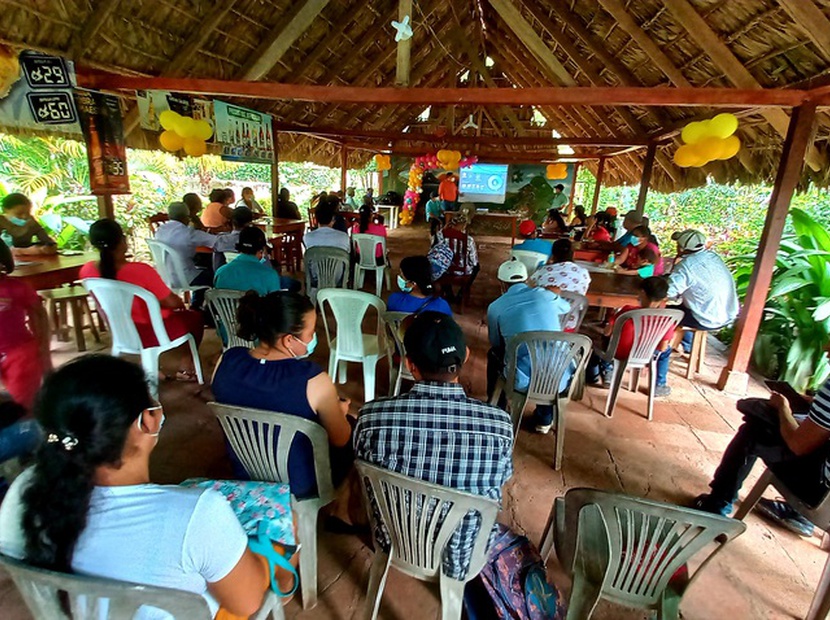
{"x":417,"y":289}
{"x":88,"y":506}
{"x":108,"y":238}
{"x":276,"y":376}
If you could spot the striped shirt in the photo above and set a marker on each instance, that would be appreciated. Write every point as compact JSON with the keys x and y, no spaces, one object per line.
{"x":439,"y":435}
{"x":820,"y":415}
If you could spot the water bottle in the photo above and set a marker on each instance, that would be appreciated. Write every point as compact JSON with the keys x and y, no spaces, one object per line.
{"x":611,"y":258}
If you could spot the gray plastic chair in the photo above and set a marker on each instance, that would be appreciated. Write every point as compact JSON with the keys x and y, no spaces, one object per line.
{"x":330,"y":267}
{"x":171,"y":268}
{"x":89,"y":596}
{"x":629,"y":550}
{"x":819,"y":515}
{"x":393,"y":322}
{"x":650,"y":325}
{"x":365,"y":247}
{"x":579,"y":307}
{"x":262,"y":441}
{"x":551,"y":355}
{"x":531,"y":260}
{"x":223,"y":305}
{"x":418,"y":537}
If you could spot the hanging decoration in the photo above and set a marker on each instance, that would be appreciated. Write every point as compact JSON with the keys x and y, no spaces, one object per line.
{"x":383,"y":162}
{"x":556,"y":171}
{"x":182,"y":132}
{"x":403,"y":29}
{"x":9,"y":70}
{"x":444,"y":159}
{"x":706,"y":141}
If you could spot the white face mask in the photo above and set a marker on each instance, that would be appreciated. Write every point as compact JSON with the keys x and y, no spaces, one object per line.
{"x":309,"y":347}
{"x":139,"y":421}
{"x":402,"y":284}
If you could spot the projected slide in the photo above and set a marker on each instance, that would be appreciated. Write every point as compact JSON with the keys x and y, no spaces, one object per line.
{"x":483,"y":183}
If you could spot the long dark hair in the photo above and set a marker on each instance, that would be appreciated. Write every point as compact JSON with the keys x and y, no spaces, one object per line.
{"x":366,"y":212}
{"x":266,"y":318}
{"x":418,"y":269}
{"x":106,"y":235}
{"x":555,"y":216}
{"x":86,"y":409}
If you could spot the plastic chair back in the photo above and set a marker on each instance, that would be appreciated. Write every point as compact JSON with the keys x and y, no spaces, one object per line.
{"x":420,"y":517}
{"x":169,"y":264}
{"x":365,"y":246}
{"x":116,"y":300}
{"x":89,"y":597}
{"x":156,"y":220}
{"x":349,"y":308}
{"x":531,"y":260}
{"x":223,"y":305}
{"x":650,"y":327}
{"x":330,"y":267}
{"x":394,"y":321}
{"x":262,"y":440}
{"x":572,"y":320}
{"x":457,"y":242}
{"x":632,"y":548}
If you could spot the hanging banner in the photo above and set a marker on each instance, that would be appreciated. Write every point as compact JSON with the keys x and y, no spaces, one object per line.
{"x":244,"y":134}
{"x":42,"y":99}
{"x":100,"y":118}
{"x":151,"y":103}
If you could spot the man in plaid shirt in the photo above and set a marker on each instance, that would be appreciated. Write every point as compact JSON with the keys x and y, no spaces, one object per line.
{"x":438,"y":434}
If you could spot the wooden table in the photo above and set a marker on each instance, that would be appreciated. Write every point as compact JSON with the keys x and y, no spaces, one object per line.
{"x":502,"y":222}
{"x":613,"y":290}
{"x":52,"y":271}
{"x":274,"y":225}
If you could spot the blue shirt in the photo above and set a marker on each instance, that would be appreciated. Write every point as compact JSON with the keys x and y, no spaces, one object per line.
{"x":625,"y":239}
{"x":542,"y":246}
{"x":404,"y":302}
{"x":435,"y":209}
{"x":524,"y":309}
{"x":246,"y":273}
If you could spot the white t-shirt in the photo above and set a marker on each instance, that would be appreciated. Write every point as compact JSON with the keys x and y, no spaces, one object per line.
{"x":148,"y":533}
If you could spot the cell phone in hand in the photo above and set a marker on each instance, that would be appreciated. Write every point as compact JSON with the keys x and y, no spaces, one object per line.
{"x":798,"y":403}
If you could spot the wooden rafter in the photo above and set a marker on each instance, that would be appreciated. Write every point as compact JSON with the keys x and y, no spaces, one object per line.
{"x":811,"y":20}
{"x":85,"y":36}
{"x":404,"y":51}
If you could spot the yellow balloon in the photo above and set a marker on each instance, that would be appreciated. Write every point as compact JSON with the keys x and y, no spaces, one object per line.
{"x":203,"y":130}
{"x":171,"y":141}
{"x":710,"y":148}
{"x":169,"y":119}
{"x":687,"y":157}
{"x":694,"y":132}
{"x":186,"y":127}
{"x":195,"y":147}
{"x":723,"y":125}
{"x":731,"y":146}
{"x":443,"y":155}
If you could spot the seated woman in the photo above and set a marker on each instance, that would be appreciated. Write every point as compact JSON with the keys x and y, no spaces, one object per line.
{"x":87,"y":505}
{"x":598,"y":228}
{"x":108,"y":238}
{"x":417,"y":290}
{"x":648,"y":261}
{"x":641,"y":239}
{"x":275,"y":376}
{"x":371,"y":224}
{"x":218,"y":213}
{"x":23,"y":232}
{"x":554,"y":223}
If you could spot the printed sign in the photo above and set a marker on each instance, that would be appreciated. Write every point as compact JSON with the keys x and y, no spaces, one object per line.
{"x":52,"y":108}
{"x":44,"y":72}
{"x":100,"y":117}
{"x":245,"y":134}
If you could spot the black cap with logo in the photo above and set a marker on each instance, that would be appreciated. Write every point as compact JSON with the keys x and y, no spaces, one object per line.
{"x":435,"y":343}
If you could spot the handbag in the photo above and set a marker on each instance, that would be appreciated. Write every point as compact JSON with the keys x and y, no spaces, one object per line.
{"x":264,"y":510}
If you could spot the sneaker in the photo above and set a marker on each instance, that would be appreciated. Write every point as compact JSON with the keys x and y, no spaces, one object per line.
{"x":785,"y":515}
{"x":543,"y":429}
{"x":661,"y":391}
{"x":707,"y":504}
{"x":543,"y":420}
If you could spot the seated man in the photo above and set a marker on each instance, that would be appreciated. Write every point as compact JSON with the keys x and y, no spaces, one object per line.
{"x":251,"y":270}
{"x":464,"y":263}
{"x":325,"y":235}
{"x":522,"y":309}
{"x":437,"y":433}
{"x":532,"y":243}
{"x":796,"y":452}
{"x":226,"y":242}
{"x":21,"y":231}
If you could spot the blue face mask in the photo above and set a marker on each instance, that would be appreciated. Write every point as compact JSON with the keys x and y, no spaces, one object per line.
{"x":402,"y":284}
{"x":309,"y":347}
{"x":17,"y":221}
{"x":264,"y":260}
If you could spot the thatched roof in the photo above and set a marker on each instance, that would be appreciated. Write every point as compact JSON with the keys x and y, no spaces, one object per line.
{"x":731,"y":43}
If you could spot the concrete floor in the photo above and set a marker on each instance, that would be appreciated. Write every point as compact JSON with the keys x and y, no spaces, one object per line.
{"x":766,"y":573}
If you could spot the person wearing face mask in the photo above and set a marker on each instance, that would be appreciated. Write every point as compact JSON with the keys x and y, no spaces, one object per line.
{"x":418,"y":293}
{"x":276,"y":376}
{"x":21,"y":231}
{"x":252,"y":269}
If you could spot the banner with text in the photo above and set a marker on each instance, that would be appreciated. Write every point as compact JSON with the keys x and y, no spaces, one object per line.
{"x":100,"y":118}
{"x":244,"y":134}
{"x":151,"y":103}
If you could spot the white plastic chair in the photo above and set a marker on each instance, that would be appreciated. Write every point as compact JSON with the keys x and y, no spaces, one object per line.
{"x":171,"y":268}
{"x":393,"y":321}
{"x":551,"y":354}
{"x":116,"y":300}
{"x":350,"y":344}
{"x":531,"y":260}
{"x":629,"y":550}
{"x":88,"y":597}
{"x":330,"y":267}
{"x":223,"y":304}
{"x":650,"y":326}
{"x":572,"y":319}
{"x":410,"y":511}
{"x":262,"y":441}
{"x":365,"y":247}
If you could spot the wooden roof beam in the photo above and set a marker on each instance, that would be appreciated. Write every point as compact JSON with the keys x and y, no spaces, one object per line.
{"x":84,"y":37}
{"x":811,"y":20}
{"x":404,"y":51}
{"x":294,"y":24}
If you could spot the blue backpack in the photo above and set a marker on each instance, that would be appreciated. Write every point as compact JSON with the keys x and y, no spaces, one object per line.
{"x":513,"y":584}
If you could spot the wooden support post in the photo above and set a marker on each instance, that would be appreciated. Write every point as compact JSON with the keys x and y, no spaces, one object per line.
{"x":105,"y":207}
{"x":404,"y":59}
{"x":645,"y":180}
{"x":573,"y":189}
{"x":600,"y":173}
{"x":734,"y":377}
{"x":275,"y":172}
{"x":344,"y":167}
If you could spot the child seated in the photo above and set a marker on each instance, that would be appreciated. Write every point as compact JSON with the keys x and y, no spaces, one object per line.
{"x":645,"y":263}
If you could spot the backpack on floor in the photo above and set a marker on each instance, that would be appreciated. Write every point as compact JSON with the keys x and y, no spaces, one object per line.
{"x":513,"y":584}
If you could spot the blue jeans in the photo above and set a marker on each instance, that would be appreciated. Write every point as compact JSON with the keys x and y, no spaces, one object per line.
{"x":19,"y":439}
{"x":596,"y":366}
{"x":663,"y":367}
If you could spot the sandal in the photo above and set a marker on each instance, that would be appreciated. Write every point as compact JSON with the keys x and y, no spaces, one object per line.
{"x":186,"y":376}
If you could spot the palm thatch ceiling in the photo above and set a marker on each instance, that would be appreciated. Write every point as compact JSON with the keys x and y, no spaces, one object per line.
{"x":728,"y":43}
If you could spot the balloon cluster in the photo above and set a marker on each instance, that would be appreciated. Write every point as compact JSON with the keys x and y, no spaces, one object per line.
{"x":556,"y":171}
{"x":707,"y":141}
{"x":430,"y":161}
{"x":182,"y":132}
{"x":383,"y":162}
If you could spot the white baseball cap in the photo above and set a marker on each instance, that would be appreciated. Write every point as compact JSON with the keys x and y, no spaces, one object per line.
{"x":690,"y":240}
{"x":512,"y":271}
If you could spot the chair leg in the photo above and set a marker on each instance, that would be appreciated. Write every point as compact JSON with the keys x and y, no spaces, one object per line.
{"x":494,"y":399}
{"x":452,"y":598}
{"x":150,"y":364}
{"x":701,"y":353}
{"x":820,"y":606}
{"x":379,"y":281}
{"x":369,"y":371}
{"x":584,"y":598}
{"x":559,"y":445}
{"x":377,"y":581}
{"x":342,"y":369}
{"x":652,"y":383}
{"x":579,"y":388}
{"x":332,"y":364}
{"x":197,"y":363}
{"x":307,"y":534}
{"x":690,"y":369}
{"x":77,"y":324}
{"x":88,"y":312}
{"x":634,"y":380}
{"x":616,"y":382}
{"x":754,"y":495}
{"x":669,"y":605}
